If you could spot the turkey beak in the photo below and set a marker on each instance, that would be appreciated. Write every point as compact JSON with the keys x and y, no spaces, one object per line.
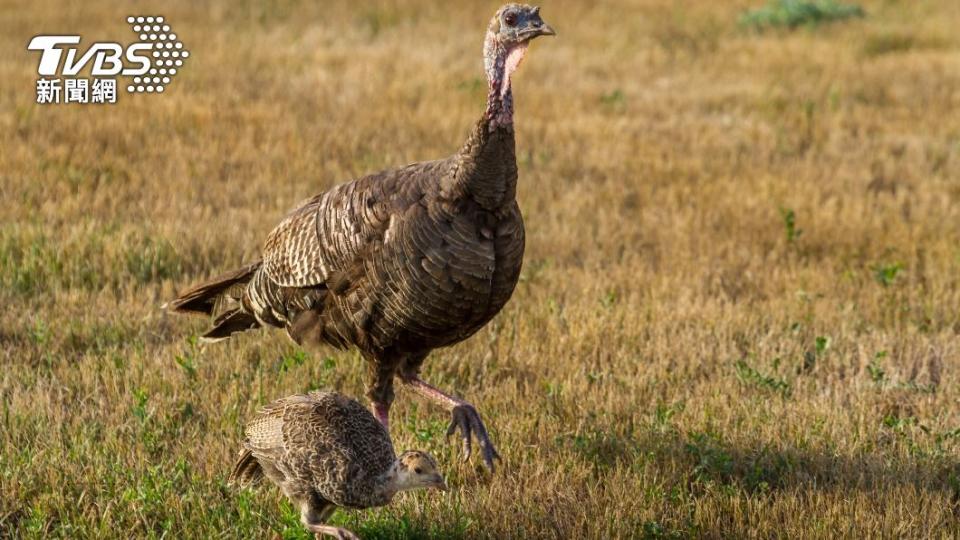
{"x":546,"y":30}
{"x":535,"y":26}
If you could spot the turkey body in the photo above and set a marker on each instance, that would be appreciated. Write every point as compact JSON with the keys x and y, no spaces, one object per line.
{"x":395,"y":263}
{"x":407,"y":272}
{"x":321,"y":448}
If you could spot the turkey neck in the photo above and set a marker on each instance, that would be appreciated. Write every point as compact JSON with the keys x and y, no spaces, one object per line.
{"x":384,"y":486}
{"x":485,"y":169}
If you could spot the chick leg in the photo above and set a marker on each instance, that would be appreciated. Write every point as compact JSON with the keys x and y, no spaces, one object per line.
{"x":337,"y":532}
{"x":312,"y":516}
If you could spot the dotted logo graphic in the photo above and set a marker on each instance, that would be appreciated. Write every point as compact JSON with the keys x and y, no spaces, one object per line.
{"x":167,"y":57}
{"x":148,"y":65}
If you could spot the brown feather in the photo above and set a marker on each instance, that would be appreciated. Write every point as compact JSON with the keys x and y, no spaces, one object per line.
{"x":203,"y":299}
{"x":247,"y":470}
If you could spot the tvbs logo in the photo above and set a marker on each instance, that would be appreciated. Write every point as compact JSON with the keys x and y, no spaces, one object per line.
{"x":151,"y":62}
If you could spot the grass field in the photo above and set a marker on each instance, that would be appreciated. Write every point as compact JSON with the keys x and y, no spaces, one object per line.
{"x":738,"y":315}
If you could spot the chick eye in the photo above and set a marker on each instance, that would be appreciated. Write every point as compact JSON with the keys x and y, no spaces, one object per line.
{"x":418,"y":470}
{"x":510,"y":18}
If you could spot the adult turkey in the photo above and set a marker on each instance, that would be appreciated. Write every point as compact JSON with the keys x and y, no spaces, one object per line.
{"x":399,"y":262}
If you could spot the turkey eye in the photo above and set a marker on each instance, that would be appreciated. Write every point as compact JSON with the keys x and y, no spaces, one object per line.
{"x":418,"y":470}
{"x":510,"y":18}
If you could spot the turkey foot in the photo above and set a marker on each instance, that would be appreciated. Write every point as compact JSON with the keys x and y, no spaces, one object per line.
{"x":465,"y":418}
{"x":329,"y":530}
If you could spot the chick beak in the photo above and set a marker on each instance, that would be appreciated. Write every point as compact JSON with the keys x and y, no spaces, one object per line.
{"x":439,"y":484}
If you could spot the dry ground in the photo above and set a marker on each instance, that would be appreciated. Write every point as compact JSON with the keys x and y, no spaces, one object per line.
{"x":740,"y":304}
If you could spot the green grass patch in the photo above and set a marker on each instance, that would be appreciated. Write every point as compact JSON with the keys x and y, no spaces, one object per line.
{"x":33,"y":262}
{"x":794,"y":13}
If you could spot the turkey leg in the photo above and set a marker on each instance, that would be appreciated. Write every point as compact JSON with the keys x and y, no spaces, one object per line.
{"x":329,"y":530}
{"x":382,"y":412}
{"x":313,"y":517}
{"x":465,"y":418}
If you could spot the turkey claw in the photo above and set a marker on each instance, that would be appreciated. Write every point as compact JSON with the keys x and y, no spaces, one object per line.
{"x":466,"y":419}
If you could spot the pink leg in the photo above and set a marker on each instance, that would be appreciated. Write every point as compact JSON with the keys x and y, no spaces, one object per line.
{"x":382,"y":412}
{"x":313,"y":517}
{"x":330,"y":530}
{"x":465,"y":418}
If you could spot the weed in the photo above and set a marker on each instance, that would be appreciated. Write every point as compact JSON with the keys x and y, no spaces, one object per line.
{"x":822,"y":345}
{"x":187,"y":360}
{"x":614,"y":101}
{"x":875,"y":371}
{"x":609,"y":299}
{"x":139,"y":409}
{"x":887,"y":274}
{"x":791,"y":231}
{"x":425,"y":429}
{"x":291,"y":360}
{"x":749,"y":376}
{"x":664,"y":413}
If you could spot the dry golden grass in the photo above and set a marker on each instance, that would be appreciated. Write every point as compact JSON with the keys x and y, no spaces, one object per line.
{"x":675,"y":362}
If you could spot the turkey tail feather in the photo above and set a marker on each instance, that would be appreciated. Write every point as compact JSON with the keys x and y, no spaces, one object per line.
{"x":247,"y":470}
{"x":229,"y":323}
{"x":211,"y":297}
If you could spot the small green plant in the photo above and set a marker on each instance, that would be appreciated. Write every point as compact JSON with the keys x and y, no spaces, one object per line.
{"x":876,"y":372}
{"x":140,"y":399}
{"x":36,"y":521}
{"x":822,"y":345}
{"x":664,"y":413}
{"x":794,"y":13}
{"x":426,"y":430}
{"x":292,"y":361}
{"x":40,"y":333}
{"x":886,"y":274}
{"x":898,"y":423}
{"x":553,"y":389}
{"x":609,"y":299}
{"x":749,"y":376}
{"x":187,"y":360}
{"x":614,"y":98}
{"x":790,"y":228}
{"x":319,"y":381}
